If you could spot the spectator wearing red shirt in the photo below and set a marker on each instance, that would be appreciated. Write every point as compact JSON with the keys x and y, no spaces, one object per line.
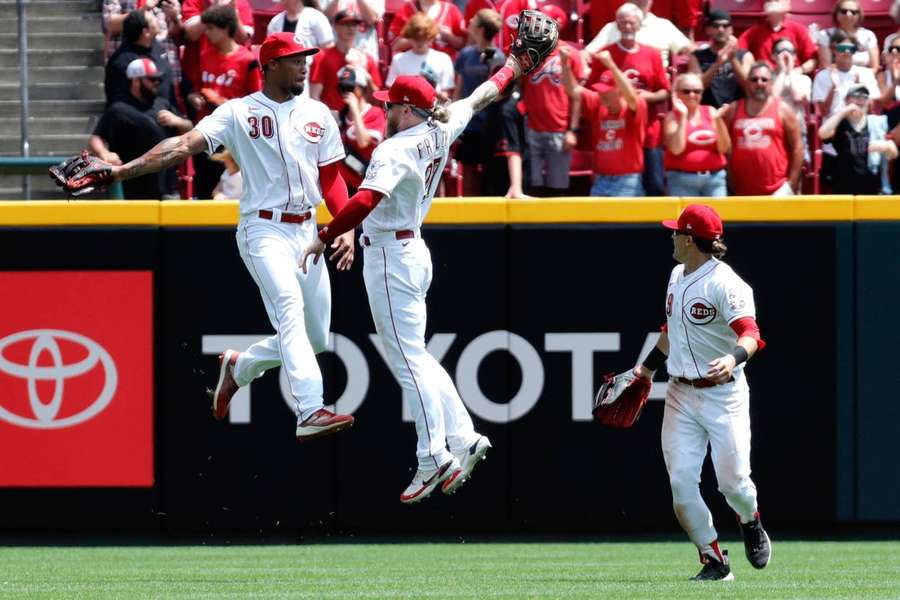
{"x":618,"y":121}
{"x":473,"y":6}
{"x":326,"y":64}
{"x":760,"y":38}
{"x":195,"y":42}
{"x":452,"y":34}
{"x":644,"y":68}
{"x":509,"y":14}
{"x":696,"y":142}
{"x":362,"y":124}
{"x":227,"y":70}
{"x":766,"y":147}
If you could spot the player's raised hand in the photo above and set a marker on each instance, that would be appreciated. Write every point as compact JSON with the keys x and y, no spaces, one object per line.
{"x":720,"y":369}
{"x":316,"y":248}
{"x":343,"y":250}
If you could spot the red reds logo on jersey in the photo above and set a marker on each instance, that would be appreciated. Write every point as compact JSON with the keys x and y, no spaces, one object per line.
{"x":700,"y":312}
{"x":313,"y":132}
{"x":702,"y":137}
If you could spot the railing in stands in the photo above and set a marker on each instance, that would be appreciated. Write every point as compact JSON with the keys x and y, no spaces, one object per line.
{"x":23,"y":88}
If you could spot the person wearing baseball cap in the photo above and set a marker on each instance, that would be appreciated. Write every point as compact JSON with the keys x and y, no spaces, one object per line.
{"x":859,"y":141}
{"x":618,"y":119}
{"x":722,"y":65}
{"x":133,"y":124}
{"x":710,"y":334}
{"x":289,"y":151}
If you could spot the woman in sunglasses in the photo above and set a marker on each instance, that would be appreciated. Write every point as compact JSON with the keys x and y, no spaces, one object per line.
{"x":889,"y":78}
{"x":847,"y":16}
{"x":830,"y":85}
{"x":696,"y":141}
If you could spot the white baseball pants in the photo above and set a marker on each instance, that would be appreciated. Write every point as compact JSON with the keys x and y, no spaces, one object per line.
{"x":298,"y":306}
{"x":718,"y":417}
{"x":397,"y":275}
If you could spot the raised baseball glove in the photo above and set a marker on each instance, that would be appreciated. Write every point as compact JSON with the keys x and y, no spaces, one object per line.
{"x":620,"y":400}
{"x":535,"y":39}
{"x":82,"y":174}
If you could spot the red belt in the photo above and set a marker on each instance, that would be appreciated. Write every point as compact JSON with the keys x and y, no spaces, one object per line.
{"x":699,"y":383}
{"x":403,"y":234}
{"x":286,"y":217}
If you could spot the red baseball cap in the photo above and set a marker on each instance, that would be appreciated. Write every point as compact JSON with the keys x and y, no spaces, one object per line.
{"x":606,"y":83}
{"x":279,"y":45}
{"x":699,"y":220}
{"x":409,"y":89}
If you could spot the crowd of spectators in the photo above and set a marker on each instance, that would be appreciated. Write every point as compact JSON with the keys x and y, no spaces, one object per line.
{"x":665,"y":99}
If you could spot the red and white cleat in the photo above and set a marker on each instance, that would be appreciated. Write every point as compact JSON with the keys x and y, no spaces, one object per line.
{"x":425,"y":480}
{"x":320,"y":423}
{"x":227,"y":386}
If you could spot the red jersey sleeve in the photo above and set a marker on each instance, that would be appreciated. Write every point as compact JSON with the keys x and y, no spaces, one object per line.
{"x":400,"y":19}
{"x":590,"y":100}
{"x":806,"y":49}
{"x":191,"y":8}
{"x":661,"y":78}
{"x":457,"y":21}
{"x":576,"y":63}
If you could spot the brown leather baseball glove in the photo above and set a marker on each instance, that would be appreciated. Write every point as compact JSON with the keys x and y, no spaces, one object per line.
{"x":620,"y":400}
{"x":82,"y":174}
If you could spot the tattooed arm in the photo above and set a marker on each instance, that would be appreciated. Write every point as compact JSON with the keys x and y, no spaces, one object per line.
{"x":490,"y":90}
{"x":170,"y":151}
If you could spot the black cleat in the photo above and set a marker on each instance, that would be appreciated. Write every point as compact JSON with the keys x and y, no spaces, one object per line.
{"x":714,"y":570}
{"x":756,"y":543}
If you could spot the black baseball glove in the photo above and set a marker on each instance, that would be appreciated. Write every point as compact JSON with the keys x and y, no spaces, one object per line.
{"x":82,"y":174}
{"x":535,"y":39}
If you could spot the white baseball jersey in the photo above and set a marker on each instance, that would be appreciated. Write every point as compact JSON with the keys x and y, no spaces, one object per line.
{"x":700,"y":308}
{"x":407,"y":169}
{"x":279,"y":148}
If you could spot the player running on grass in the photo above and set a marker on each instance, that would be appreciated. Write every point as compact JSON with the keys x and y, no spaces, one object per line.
{"x":391,"y":204}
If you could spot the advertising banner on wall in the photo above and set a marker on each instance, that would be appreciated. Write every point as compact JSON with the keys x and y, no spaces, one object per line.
{"x":76,"y":379}
{"x":525,"y":320}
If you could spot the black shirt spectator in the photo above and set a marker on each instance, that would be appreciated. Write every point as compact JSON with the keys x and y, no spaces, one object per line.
{"x":139,"y":41}
{"x":134,"y":124}
{"x":504,"y":144}
{"x":724,"y":88}
{"x":851,"y":174}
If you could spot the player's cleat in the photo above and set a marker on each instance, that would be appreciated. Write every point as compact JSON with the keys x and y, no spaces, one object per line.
{"x":425,"y":480}
{"x":226,"y":386}
{"x":468,"y":458}
{"x":714,"y":569}
{"x":320,"y":423}
{"x":757,"y":544}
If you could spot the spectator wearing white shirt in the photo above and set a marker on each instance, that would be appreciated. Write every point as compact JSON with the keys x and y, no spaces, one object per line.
{"x":310,"y":27}
{"x":422,"y":59}
{"x":370,"y":13}
{"x":831,"y":85}
{"x":791,"y":85}
{"x":655,"y":32}
{"x":848,"y":17}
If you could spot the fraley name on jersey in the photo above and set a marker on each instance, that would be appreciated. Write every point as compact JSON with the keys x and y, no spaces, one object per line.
{"x":429,"y":146}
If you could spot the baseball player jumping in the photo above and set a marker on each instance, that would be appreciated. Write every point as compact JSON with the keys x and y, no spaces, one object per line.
{"x":289,"y":149}
{"x":391,"y":204}
{"x":710,"y":333}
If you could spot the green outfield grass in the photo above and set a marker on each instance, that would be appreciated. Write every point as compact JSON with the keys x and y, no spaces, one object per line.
{"x":813,"y":570}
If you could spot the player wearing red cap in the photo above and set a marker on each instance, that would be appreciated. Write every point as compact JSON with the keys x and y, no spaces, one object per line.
{"x":289,"y":148}
{"x":392,"y":202}
{"x":709,"y":335}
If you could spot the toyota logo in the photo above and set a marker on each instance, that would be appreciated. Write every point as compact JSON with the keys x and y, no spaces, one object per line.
{"x":44,"y":415}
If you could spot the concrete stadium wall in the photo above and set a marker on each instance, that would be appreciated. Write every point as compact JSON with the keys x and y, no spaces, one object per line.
{"x":530,"y":301}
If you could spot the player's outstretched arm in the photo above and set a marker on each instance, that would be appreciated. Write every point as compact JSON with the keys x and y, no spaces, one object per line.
{"x":171,"y":151}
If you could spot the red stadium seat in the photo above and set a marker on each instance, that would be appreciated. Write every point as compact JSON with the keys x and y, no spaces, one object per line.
{"x":875,"y":7}
{"x":754,"y":7}
{"x":812,"y":7}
